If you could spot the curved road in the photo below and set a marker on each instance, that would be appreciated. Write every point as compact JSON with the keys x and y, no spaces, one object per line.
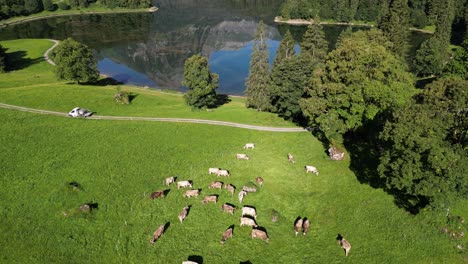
{"x":46,"y":54}
{"x":160,"y":119}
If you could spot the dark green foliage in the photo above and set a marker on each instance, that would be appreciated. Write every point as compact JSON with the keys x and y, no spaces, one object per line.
{"x":429,"y":58}
{"x":201,"y":83}
{"x":285,"y":49}
{"x":33,"y":6}
{"x":314,"y":43}
{"x":63,"y":6}
{"x":257,"y":85}
{"x":360,"y":79}
{"x":2,"y":60}
{"x":444,"y":17}
{"x":48,"y":5}
{"x":425,"y":153}
{"x":75,"y":61}
{"x":74,"y":3}
{"x":459,"y":64}
{"x":395,"y":23}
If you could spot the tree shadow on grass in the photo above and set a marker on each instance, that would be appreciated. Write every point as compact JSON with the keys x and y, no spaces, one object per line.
{"x":18,"y":60}
{"x":196,"y":258}
{"x":107,"y":81}
{"x":221,"y":99}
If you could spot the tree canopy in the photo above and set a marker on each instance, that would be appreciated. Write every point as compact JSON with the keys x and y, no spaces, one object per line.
{"x":75,"y":61}
{"x":314,"y":43}
{"x":200,"y":82}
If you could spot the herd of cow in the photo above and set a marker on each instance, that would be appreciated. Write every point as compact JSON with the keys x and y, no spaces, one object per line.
{"x":249,"y":213}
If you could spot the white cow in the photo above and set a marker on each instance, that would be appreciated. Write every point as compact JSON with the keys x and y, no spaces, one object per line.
{"x":223,"y":173}
{"x":213,"y":170}
{"x":169,"y":181}
{"x":184,"y":184}
{"x":242,"y":156}
{"x":241,"y":195}
{"x":311,"y":169}
{"x":246,"y":210}
{"x":256,"y":233}
{"x":191,"y":193}
{"x":248,"y":222}
{"x":249,"y":146}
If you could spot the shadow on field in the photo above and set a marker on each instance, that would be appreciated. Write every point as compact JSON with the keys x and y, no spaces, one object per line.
{"x":17,"y":60}
{"x":221,"y":99}
{"x":246,"y":262}
{"x":196,"y":258}
{"x":103,"y":82}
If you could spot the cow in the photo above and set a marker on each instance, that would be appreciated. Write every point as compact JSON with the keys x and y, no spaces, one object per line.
{"x":157,"y":194}
{"x":247,"y":221}
{"x":228,"y":208}
{"x":183,"y":214}
{"x":249,"y":146}
{"x":344,"y":244}
{"x":291,"y":158}
{"x":311,"y":169}
{"x":298,"y":225}
{"x":257,"y":233}
{"x":169,"y":180}
{"x":242,"y":156}
{"x":241,"y":195}
{"x":226,"y":235}
{"x":184,"y":184}
{"x":259,"y":180}
{"x":213,"y":170}
{"x":230,"y":188}
{"x":192,"y":193}
{"x":305,"y":227}
{"x":157,"y":234}
{"x":215,"y":184}
{"x":189,"y":262}
{"x":223,"y":173}
{"x":210,"y":198}
{"x":249,"y":189}
{"x":246,"y":210}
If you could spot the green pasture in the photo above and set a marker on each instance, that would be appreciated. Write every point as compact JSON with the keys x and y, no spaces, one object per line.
{"x":119,"y":163}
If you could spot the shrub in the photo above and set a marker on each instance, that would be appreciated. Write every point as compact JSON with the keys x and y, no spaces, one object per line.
{"x":63,"y":6}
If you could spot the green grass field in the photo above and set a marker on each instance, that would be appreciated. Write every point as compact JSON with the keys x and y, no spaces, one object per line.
{"x":119,"y":163}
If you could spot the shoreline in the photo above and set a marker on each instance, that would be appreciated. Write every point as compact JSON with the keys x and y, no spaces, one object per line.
{"x":7,"y":23}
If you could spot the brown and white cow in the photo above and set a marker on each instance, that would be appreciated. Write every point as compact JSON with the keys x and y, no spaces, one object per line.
{"x":247,"y":221}
{"x":291,"y":158}
{"x":249,"y":146}
{"x":247,"y":210}
{"x":223,"y":173}
{"x":169,"y":180}
{"x":259,"y":180}
{"x":157,"y":234}
{"x":210,"y":198}
{"x":184,"y":184}
{"x":242,"y":156}
{"x":226,"y":235}
{"x":183,"y":214}
{"x":213,"y":170}
{"x":311,"y":169}
{"x":157,"y":194}
{"x":230,"y":188}
{"x":249,"y":189}
{"x":257,"y":233}
{"x":215,"y":184}
{"x":298,"y":225}
{"x":344,"y":245}
{"x":228,"y":208}
{"x":192,"y":193}
{"x":241,"y":195}
{"x":305,"y":226}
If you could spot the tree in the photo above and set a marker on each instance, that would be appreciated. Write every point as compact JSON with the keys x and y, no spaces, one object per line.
{"x":285,"y":49}
{"x":395,"y":23}
{"x":257,"y":85}
{"x":359,"y":80}
{"x":75,"y":61}
{"x":48,"y":5}
{"x":444,"y":12}
{"x":33,"y":6}
{"x":200,"y":81}
{"x":314,"y":43}
{"x":3,"y":66}
{"x":421,"y":158}
{"x":459,"y":64}
{"x":430,"y":57}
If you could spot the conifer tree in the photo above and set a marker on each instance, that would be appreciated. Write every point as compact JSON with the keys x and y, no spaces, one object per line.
{"x":314,"y":43}
{"x":444,"y":14}
{"x":395,"y":23}
{"x":285,"y":49}
{"x":257,"y":85}
{"x":201,"y":82}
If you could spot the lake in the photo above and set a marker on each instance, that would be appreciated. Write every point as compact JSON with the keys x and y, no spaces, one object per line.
{"x":149,"y":49}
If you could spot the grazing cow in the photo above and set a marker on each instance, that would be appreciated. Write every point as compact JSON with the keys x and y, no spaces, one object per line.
{"x":298,"y":226}
{"x":249,"y":146}
{"x":228,"y":208}
{"x":169,"y":180}
{"x":157,"y":194}
{"x":241,"y":195}
{"x":257,"y":233}
{"x":230,"y":188}
{"x":213,"y":170}
{"x":291,"y":158}
{"x":157,"y":234}
{"x":249,"y":189}
{"x":259,"y":180}
{"x":242,"y":156}
{"x":311,"y":169}
{"x":305,"y":227}
{"x":215,"y":184}
{"x":192,"y":193}
{"x":247,"y":221}
{"x":189,"y":262}
{"x":210,"y":198}
{"x":226,"y":235}
{"x":223,"y":173}
{"x":246,"y":210}
{"x":344,"y":245}
{"x":184,"y":184}
{"x":183,"y":214}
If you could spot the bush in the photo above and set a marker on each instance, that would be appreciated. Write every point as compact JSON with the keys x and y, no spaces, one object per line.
{"x":63,"y":6}
{"x":122,"y":97}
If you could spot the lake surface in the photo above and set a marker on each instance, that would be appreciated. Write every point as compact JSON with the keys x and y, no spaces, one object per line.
{"x":149,"y":49}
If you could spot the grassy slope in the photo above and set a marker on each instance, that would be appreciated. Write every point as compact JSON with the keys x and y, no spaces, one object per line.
{"x":120,"y":163}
